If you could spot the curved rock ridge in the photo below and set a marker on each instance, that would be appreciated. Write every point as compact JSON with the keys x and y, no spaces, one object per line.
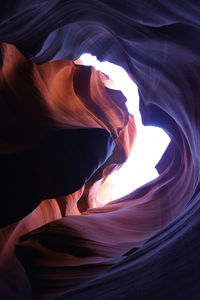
{"x":56,"y":134}
{"x":144,"y":245}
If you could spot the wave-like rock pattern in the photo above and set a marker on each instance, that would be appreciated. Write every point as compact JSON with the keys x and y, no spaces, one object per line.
{"x":145,"y":245}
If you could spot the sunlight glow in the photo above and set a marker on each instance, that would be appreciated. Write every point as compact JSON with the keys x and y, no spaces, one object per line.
{"x":150,"y":144}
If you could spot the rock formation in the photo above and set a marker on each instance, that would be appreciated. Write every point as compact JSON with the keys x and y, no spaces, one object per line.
{"x":55,"y":241}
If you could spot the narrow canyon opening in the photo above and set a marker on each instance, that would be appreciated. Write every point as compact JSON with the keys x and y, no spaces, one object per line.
{"x":150,"y":144}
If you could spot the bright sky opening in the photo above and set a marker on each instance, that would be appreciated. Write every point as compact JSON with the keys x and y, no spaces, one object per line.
{"x":150,"y":144}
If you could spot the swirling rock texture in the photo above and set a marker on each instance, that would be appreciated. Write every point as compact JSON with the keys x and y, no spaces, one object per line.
{"x":144,"y":245}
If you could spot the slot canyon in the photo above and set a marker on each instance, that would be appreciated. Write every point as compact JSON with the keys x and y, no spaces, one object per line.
{"x":64,"y":131}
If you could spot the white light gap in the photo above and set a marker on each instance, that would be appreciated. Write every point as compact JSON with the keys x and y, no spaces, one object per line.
{"x":150,"y":143}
